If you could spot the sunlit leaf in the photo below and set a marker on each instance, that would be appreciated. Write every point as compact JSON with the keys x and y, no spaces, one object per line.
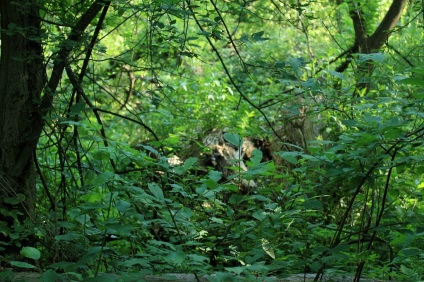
{"x":266,"y":246}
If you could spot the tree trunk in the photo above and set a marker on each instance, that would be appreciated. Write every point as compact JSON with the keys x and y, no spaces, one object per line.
{"x":22,"y":109}
{"x":21,"y":83}
{"x":366,"y":44}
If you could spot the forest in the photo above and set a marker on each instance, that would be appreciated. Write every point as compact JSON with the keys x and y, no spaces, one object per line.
{"x":245,"y":140}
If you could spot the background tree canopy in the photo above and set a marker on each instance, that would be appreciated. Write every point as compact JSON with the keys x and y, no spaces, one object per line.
{"x":242,"y":138}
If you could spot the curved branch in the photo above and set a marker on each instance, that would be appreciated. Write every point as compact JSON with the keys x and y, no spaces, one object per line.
{"x":392,"y":17}
{"x":230,"y":36}
{"x":80,"y":78}
{"x":77,"y":86}
{"x":129,"y":119}
{"x":364,"y":44}
{"x":65,"y":49}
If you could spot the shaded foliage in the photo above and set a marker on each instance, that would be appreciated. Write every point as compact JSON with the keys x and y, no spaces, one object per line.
{"x":316,"y":166}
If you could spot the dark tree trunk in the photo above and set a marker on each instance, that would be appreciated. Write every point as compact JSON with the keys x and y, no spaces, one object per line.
{"x":22,"y":109}
{"x":21,"y":83}
{"x":366,"y":44}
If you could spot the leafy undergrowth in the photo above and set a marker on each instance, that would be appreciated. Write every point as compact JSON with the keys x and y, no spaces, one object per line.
{"x":330,"y":214}
{"x":342,"y":195}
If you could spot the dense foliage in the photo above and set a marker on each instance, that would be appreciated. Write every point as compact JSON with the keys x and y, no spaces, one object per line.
{"x":148,"y":80}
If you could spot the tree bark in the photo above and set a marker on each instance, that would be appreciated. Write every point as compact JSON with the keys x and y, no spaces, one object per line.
{"x":22,"y":80}
{"x":390,"y":20}
{"x":367,"y":44}
{"x":22,"y":109}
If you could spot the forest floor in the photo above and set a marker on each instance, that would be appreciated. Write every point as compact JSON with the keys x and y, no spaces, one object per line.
{"x":9,"y":276}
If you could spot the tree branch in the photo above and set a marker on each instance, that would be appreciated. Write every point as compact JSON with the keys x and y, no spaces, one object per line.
{"x":58,"y":66}
{"x":66,"y":47}
{"x":358,"y":24}
{"x":389,"y":21}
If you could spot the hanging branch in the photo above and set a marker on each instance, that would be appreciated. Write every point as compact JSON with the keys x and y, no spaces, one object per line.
{"x":66,"y":48}
{"x":46,"y":102}
{"x":230,"y":77}
{"x":80,"y":79}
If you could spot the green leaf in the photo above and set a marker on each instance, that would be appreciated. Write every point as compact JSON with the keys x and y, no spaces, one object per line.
{"x":156,"y":191}
{"x":217,"y":220}
{"x":260,"y":168}
{"x":257,"y":36}
{"x":122,"y":206}
{"x":411,"y":252}
{"x":312,"y":204}
{"x":233,"y":139}
{"x":316,"y":266}
{"x":103,"y":178}
{"x":68,"y":237}
{"x":337,"y":74}
{"x":120,"y":12}
{"x":198,"y":258}
{"x":410,"y":274}
{"x":176,"y":257}
{"x":92,"y":206}
{"x":76,"y":109}
{"x":266,"y":246}
{"x":136,"y":261}
{"x":12,"y":26}
{"x":30,"y":252}
{"x":339,"y":248}
{"x":215,"y":175}
{"x":259,"y":215}
{"x":189,"y":163}
{"x":419,"y":70}
{"x":256,"y":158}
{"x":377,"y":57}
{"x":49,"y":276}
{"x":19,"y":198}
{"x":366,"y":139}
{"x":291,"y":157}
{"x":412,"y":81}
{"x":237,"y":270}
{"x":418,"y":95}
{"x":21,"y":264}
{"x":244,"y":38}
{"x":150,"y":149}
